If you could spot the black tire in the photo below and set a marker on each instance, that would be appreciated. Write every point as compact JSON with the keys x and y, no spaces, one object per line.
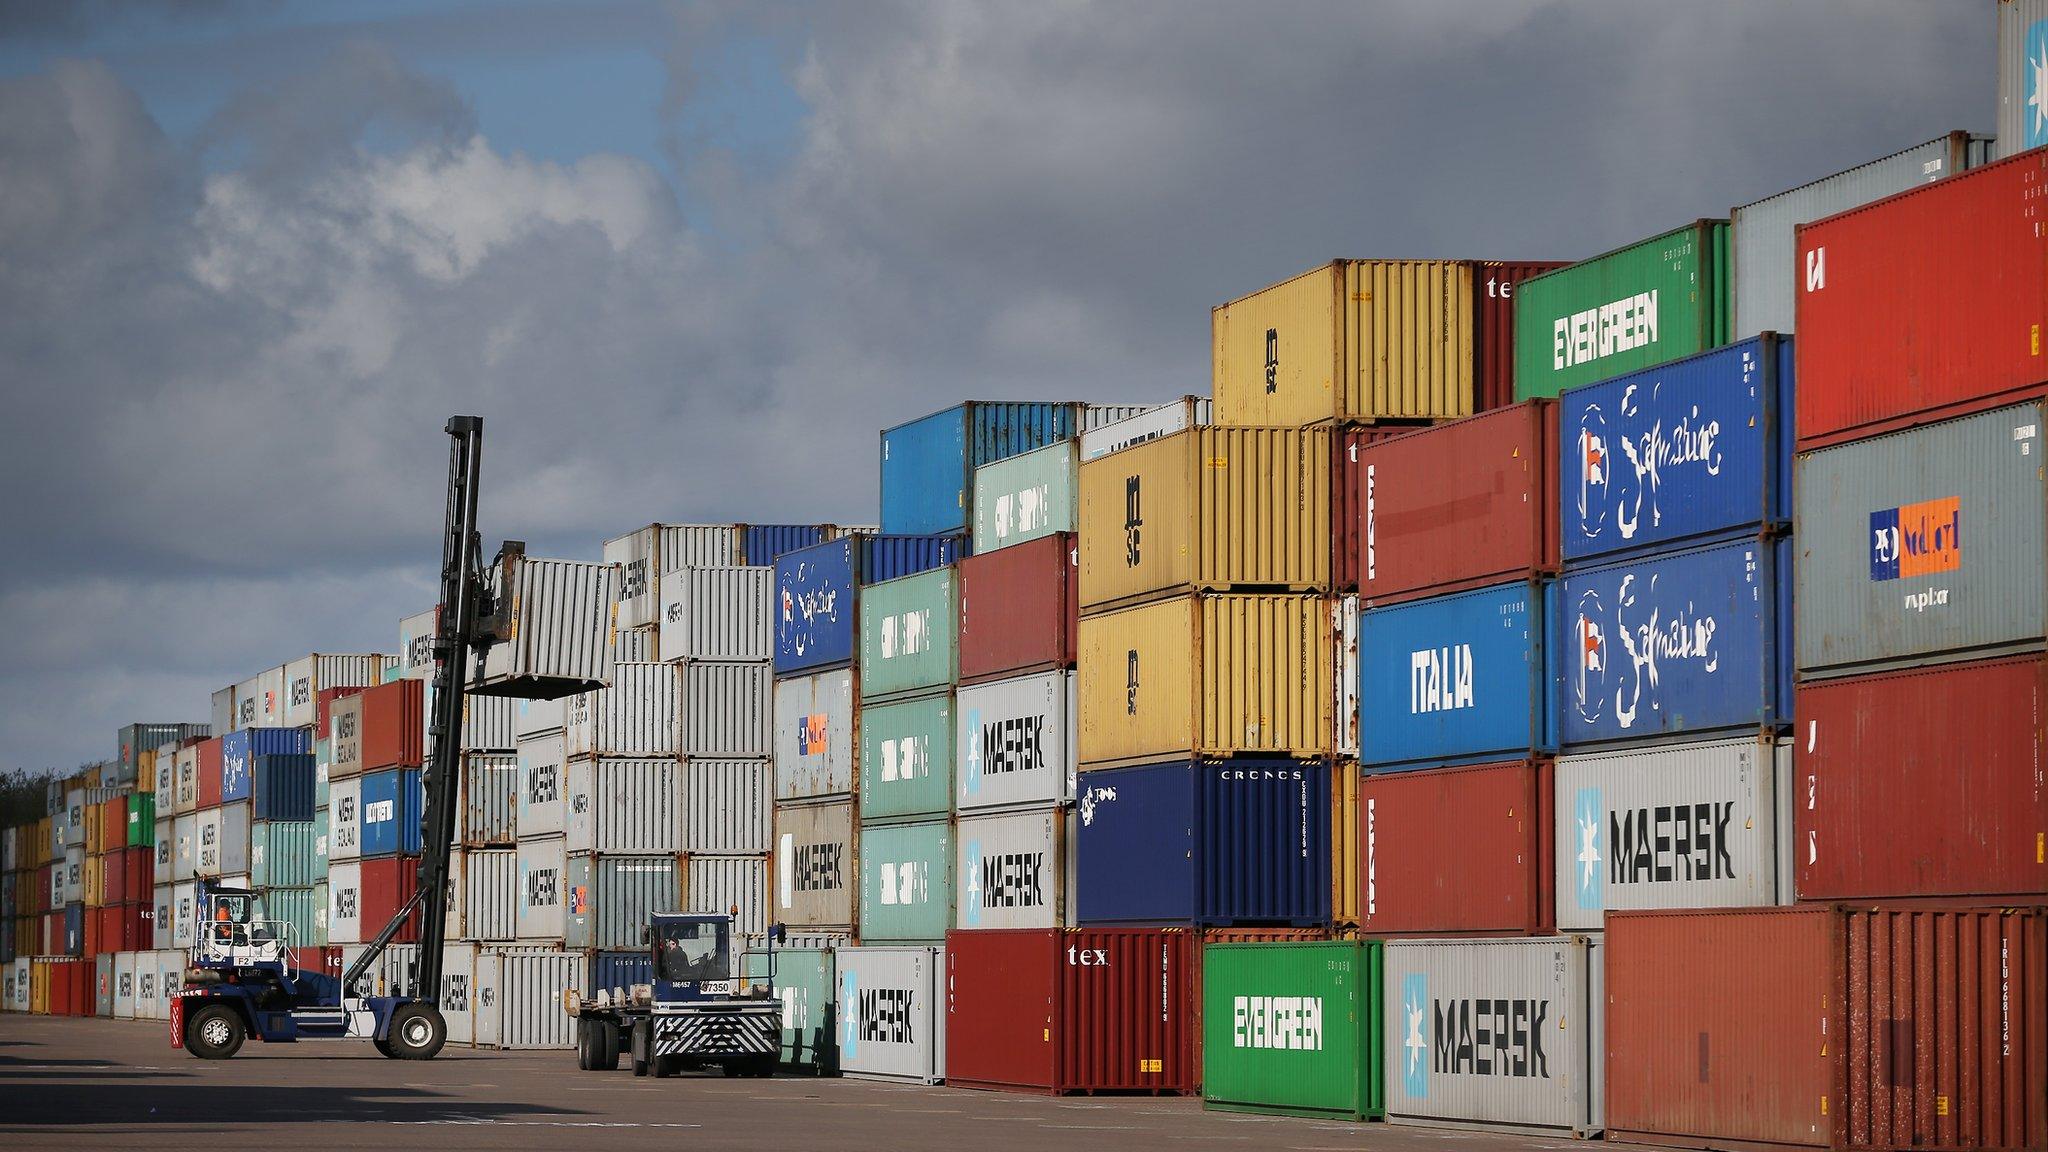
{"x":637,"y":1042}
{"x":732,"y":1069}
{"x":417,"y":1032}
{"x":383,"y":1048}
{"x":215,"y":1032}
{"x":607,"y":1047}
{"x":585,"y":1061}
{"x":666,"y":1066}
{"x":762,"y":1068}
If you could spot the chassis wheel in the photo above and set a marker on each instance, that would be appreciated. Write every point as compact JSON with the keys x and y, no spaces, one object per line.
{"x":586,"y":1039}
{"x":417,"y":1032}
{"x":607,"y":1047}
{"x":666,"y":1066}
{"x":215,"y":1032}
{"x":761,"y":1068}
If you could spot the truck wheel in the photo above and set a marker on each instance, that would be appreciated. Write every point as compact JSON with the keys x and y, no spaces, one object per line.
{"x":607,"y":1047}
{"x":762,"y":1068}
{"x":585,"y":1062}
{"x":383,"y":1048}
{"x":417,"y":1032}
{"x":666,"y":1066}
{"x":215,"y":1032}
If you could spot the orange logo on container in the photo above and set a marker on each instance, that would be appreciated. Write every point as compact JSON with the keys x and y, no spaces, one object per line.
{"x":810,"y":734}
{"x":1916,"y":539}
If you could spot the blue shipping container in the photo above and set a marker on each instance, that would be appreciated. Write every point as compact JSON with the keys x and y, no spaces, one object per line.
{"x":891,"y":557}
{"x":283,"y":787}
{"x":74,"y":930}
{"x":761,"y":544}
{"x":928,"y":464}
{"x":816,"y":618}
{"x":239,"y":749}
{"x":1455,"y":679}
{"x":1688,"y":451}
{"x":391,"y":806}
{"x":1676,"y":644}
{"x":1215,"y":843}
{"x":614,"y":970}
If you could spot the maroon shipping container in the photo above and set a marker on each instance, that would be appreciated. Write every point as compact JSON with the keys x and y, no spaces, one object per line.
{"x":208,"y":770}
{"x":1071,"y":1010}
{"x":1019,"y":608}
{"x":1346,"y":511}
{"x":113,"y":817}
{"x":388,"y":882}
{"x":394,"y":725}
{"x":1493,"y":284}
{"x":119,"y":928}
{"x":126,"y":875}
{"x":1923,"y":783}
{"x":1828,"y":1026}
{"x":1925,"y":305}
{"x":71,"y":988}
{"x":324,"y":700}
{"x":1458,"y":506}
{"x":1456,"y":851}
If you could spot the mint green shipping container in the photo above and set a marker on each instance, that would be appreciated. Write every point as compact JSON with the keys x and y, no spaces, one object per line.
{"x":281,"y":854}
{"x":1293,"y":1029}
{"x":1025,"y":497}
{"x":906,"y":883}
{"x":906,"y":759}
{"x":304,"y":908}
{"x":805,"y":981}
{"x":909,"y":635}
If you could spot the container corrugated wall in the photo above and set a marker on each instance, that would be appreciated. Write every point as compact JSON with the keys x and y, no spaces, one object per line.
{"x":307,"y":676}
{"x":698,"y":546}
{"x":2020,"y":98}
{"x":1293,"y":1029}
{"x":612,"y":898}
{"x":1490,"y":875}
{"x":636,"y":645}
{"x":561,"y":626}
{"x":720,"y":884}
{"x":815,"y":736}
{"x":891,"y":1001}
{"x":727,"y":710}
{"x":542,"y":867}
{"x":816,"y":617}
{"x":718,"y":614}
{"x":624,"y":804}
{"x":1493,"y":286}
{"x":906,"y":758}
{"x":542,"y":784}
{"x":906,"y":882}
{"x":490,"y":798}
{"x":1016,"y":742}
{"x":815,"y":866}
{"x":909,"y":635}
{"x":490,"y":887}
{"x":1163,"y":420}
{"x":1455,"y":678}
{"x":726,"y":806}
{"x":1658,"y":300}
{"x":636,"y":716}
{"x":760,"y":544}
{"x":1025,"y":497}
{"x":530,"y":999}
{"x":637,"y":560}
{"x":1359,"y":340}
{"x":927,"y":464}
{"x":1015,"y":869}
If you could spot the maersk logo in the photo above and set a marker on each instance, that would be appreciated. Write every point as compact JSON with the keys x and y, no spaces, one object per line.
{"x":1658,"y":844}
{"x":1596,"y":333}
{"x":849,"y":1024}
{"x":544,"y":784}
{"x":905,"y":883}
{"x":1287,"y":1023}
{"x":345,"y":904}
{"x":1021,"y":512}
{"x":907,"y":634}
{"x":906,"y":758}
{"x":1440,"y":679}
{"x":1012,"y":744}
{"x":1483,"y":1037}
{"x":819,"y":867}
{"x":1591,"y":813}
{"x":2037,"y":84}
{"x":879,"y":1015}
{"x":632,"y":579}
{"x":542,"y":887}
{"x":1003,"y":880}
{"x":971,"y":777}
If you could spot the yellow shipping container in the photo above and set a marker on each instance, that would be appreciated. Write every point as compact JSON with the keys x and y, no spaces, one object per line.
{"x":1353,"y":340}
{"x":94,"y":881}
{"x":1347,"y":828}
{"x":39,"y":987}
{"x":1205,"y":675}
{"x":1208,"y":509}
{"x":42,"y":846}
{"x":94,"y":825}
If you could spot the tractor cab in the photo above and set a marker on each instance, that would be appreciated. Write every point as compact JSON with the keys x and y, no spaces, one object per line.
{"x":692,"y":957}
{"x":233,"y":933}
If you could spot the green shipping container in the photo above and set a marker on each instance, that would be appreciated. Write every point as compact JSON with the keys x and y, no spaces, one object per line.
{"x":1025,"y":497}
{"x":319,"y":845}
{"x":906,"y":759}
{"x":142,"y":819}
{"x":1650,"y":303}
{"x":804,"y":980}
{"x":281,"y":854}
{"x":906,"y":883}
{"x":909,"y":635}
{"x":305,"y":909}
{"x":1293,"y":1029}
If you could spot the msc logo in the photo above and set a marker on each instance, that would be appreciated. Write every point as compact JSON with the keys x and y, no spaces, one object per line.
{"x":1916,"y":539}
{"x":1595,"y":470}
{"x":1589,"y":652}
{"x":1440,"y":679}
{"x":1293,"y":1023}
{"x":1131,"y":682}
{"x":811,"y":733}
{"x":1134,"y":520}
{"x":1272,"y":360}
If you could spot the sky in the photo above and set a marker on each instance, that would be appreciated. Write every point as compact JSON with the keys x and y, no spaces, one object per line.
{"x":686,"y":259}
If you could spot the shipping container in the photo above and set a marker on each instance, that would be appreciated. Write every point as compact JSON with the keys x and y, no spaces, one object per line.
{"x":1015,"y":869}
{"x":727,"y":710}
{"x":1876,"y":351}
{"x":1093,"y":1010}
{"x":1208,"y":508}
{"x":281,"y":854}
{"x":1694,"y":450}
{"x":1019,"y":609}
{"x":541,"y":787}
{"x":560,"y":627}
{"x":540,"y":914}
{"x":1016,"y":742}
{"x":805,"y":980}
{"x":760,"y":544}
{"x":1458,"y":506}
{"x":636,"y":557}
{"x":458,"y":993}
{"x":625,"y":805}
{"x":732,"y":885}
{"x":718,"y":614}
{"x":1149,"y":424}
{"x":490,"y":798}
{"x":816,"y":618}
{"x":1353,"y":340}
{"x":529,"y":984}
{"x":1204,"y":675}
{"x":1766,"y":262}
{"x":906,"y":882}
{"x":364,"y":895}
{"x":815,"y":866}
{"x":617,"y":972}
{"x":1923,"y":783}
{"x":1493,"y":286}
{"x":1496,"y":1033}
{"x":187,"y":769}
{"x":1293,"y":1028}
{"x":1026,"y":497}
{"x":206,"y":777}
{"x":1454,"y":678}
{"x":725,"y":806}
{"x":1347,"y":489}
{"x":139,"y":741}
{"x":906,"y":759}
{"x":1456,"y":851}
{"x":381,"y":727}
{"x":1675,"y":644}
{"x":1833,"y":1028}
{"x":206,"y":849}
{"x":928,"y":464}
{"x":909,"y":635}
{"x":295,"y":909}
{"x":611,"y":898}
{"x":2022,"y":44}
{"x":636,"y":645}
{"x":892,"y":1013}
{"x":185,"y":856}
{"x":416,"y":644}
{"x":345,"y":821}
{"x":164,"y":854}
{"x":392,"y":801}
{"x":1226,"y":842}
{"x":636,"y":716}
{"x":1344,"y":676}
{"x":490,"y":888}
{"x":1887,"y":577}
{"x":306,"y":677}
{"x":537,"y":718}
{"x":1659,"y":300}
{"x":816,"y":735}
{"x":224,"y":710}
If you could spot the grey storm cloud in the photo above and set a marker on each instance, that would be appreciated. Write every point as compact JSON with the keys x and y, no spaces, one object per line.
{"x":229,"y":359}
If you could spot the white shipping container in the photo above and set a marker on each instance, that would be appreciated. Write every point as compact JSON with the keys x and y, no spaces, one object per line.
{"x":560,"y":626}
{"x":209,"y":849}
{"x":530,"y":987}
{"x":532,"y":718}
{"x":345,"y":903}
{"x":723,"y":614}
{"x":307,"y":676}
{"x":164,"y":784}
{"x":184,"y":913}
{"x":162,"y":916}
{"x":1344,"y":627}
{"x":1496,"y":1033}
{"x":185,"y":850}
{"x":815,"y":736}
{"x":698,"y":546}
{"x":223,"y":714}
{"x":234,"y":837}
{"x":170,"y":980}
{"x":1165,"y":420}
{"x":344,"y":821}
{"x":624,"y":805}
{"x":1016,"y":869}
{"x":541,"y":786}
{"x":636,"y":645}
{"x":187,"y":782}
{"x":416,"y":645}
{"x":719,"y":884}
{"x":18,"y":982}
{"x":124,"y":985}
{"x":636,"y":716}
{"x":727,"y":710}
{"x":458,"y":992}
{"x":490,"y":887}
{"x":892,"y":1025}
{"x":1015,"y":742}
{"x":166,"y":848}
{"x":538,"y":914}
{"x":726,"y":805}
{"x":490,"y":798}
{"x":636,"y":558}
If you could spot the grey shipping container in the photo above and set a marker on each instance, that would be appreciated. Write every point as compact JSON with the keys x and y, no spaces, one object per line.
{"x":636,"y":716}
{"x":718,"y":614}
{"x":490,"y":886}
{"x":165,"y":869}
{"x":490,"y":798}
{"x":724,"y":883}
{"x":615,"y":895}
{"x":726,"y":806}
{"x":223,"y":713}
{"x":529,"y":997}
{"x":537,"y":718}
{"x":636,"y":645}
{"x":815,"y":736}
{"x":727,"y":710}
{"x":1762,"y":243}
{"x":1016,"y":742}
{"x":2021,"y":118}
{"x":458,"y":992}
{"x":1495,"y":1033}
{"x":305,"y":677}
{"x":815,"y":868}
{"x":209,"y":850}
{"x":234,"y":838}
{"x":624,"y":804}
{"x":891,"y":1016}
{"x":1887,"y":575}
{"x":1151,"y":424}
{"x":1672,"y":826}
{"x":539,"y":892}
{"x":1015,"y":869}
{"x":561,"y":626}
{"x":699,"y":546}
{"x":542,"y":783}
{"x":636,"y":558}
{"x":185,"y":853}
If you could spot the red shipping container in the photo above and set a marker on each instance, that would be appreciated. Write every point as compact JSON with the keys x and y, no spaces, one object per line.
{"x":140,"y":874}
{"x":1925,"y":305}
{"x":1019,"y":609}
{"x":394,"y":725}
{"x":1923,"y":783}
{"x":388,"y":882}
{"x":324,"y":700}
{"x":1493,"y":284}
{"x":71,"y":988}
{"x":1456,"y":851}
{"x":1071,"y":1010}
{"x":1829,"y":1027}
{"x":1346,"y":512}
{"x":91,"y":925}
{"x":113,"y":816}
{"x":208,"y":771}
{"x":1458,"y":506}
{"x":113,"y":878}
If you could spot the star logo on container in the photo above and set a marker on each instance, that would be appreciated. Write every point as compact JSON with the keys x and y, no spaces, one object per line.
{"x":849,"y":1016}
{"x":1594,"y":472}
{"x":973,"y":781}
{"x":1415,"y":1007}
{"x":1591,"y":892}
{"x":974,"y":883}
{"x":2037,"y":84}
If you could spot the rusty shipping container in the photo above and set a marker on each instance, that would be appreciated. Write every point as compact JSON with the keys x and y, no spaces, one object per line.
{"x":1924,"y":783}
{"x":1206,"y":675}
{"x":1208,"y":508}
{"x":815,"y":866}
{"x":1454,"y":851}
{"x":1352,"y":340}
{"x":1828,"y":1026}
{"x":1459,"y":506}
{"x":1493,"y":337}
{"x":1075,"y":1010}
{"x":1020,"y":608}
{"x":1879,"y":348}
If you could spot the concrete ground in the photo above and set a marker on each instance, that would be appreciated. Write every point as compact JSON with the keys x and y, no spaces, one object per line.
{"x":67,"y":1083}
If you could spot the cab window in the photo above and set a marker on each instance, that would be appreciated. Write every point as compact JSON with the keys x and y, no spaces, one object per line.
{"x":694,"y":952}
